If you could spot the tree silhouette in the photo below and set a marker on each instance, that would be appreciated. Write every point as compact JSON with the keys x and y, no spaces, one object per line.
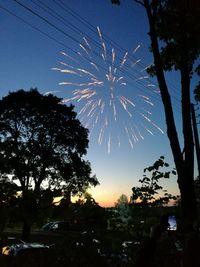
{"x":42,"y":145}
{"x":174,"y":31}
{"x":151,"y":193}
{"x":8,"y":200}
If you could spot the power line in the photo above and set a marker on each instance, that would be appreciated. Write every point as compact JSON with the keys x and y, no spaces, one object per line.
{"x":63,"y":32}
{"x":63,"y":20}
{"x":45,"y":20}
{"x":82,"y":20}
{"x":37,"y":29}
{"x":73,"y":39}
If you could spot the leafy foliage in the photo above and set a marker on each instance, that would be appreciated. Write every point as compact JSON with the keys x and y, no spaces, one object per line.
{"x":197,"y":92}
{"x":8,"y":200}
{"x":42,"y":145}
{"x":117,"y":2}
{"x":122,"y":217}
{"x":174,"y":31}
{"x":8,"y":191}
{"x":150,"y":192}
{"x":41,"y":139}
{"x":178,"y":31}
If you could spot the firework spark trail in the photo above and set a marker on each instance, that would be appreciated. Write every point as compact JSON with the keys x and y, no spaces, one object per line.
{"x":119,"y":143}
{"x":86,"y":42}
{"x":127,"y":101}
{"x":147,"y":111}
{"x":52,"y":92}
{"x":84,"y":108}
{"x":135,"y":50}
{"x":102,"y":43}
{"x":155,"y":125}
{"x":69,"y":71}
{"x":71,"y":58}
{"x":101,"y":134}
{"x":113,"y":56}
{"x":128,"y":135}
{"x":147,"y":129}
{"x":144,"y":69}
{"x":109,"y":142}
{"x":84,"y":49}
{"x":139,"y":133}
{"x":124,"y":60}
{"x":95,"y":66}
{"x":143,"y":77}
{"x":92,"y":109}
{"x":65,"y":64}
{"x":146,"y":99}
{"x":151,"y":85}
{"x":101,"y":92}
{"x":134,"y":135}
{"x":135,"y":63}
{"x":124,"y":102}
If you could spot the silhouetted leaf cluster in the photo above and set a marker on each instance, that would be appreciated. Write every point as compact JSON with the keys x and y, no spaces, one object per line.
{"x":150,"y":192}
{"x":42,"y":145}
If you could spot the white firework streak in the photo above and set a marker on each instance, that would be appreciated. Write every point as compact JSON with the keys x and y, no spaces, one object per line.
{"x":139,"y":132}
{"x":150,"y":85}
{"x":134,"y":136}
{"x":87,"y":43}
{"x":113,"y":56}
{"x":143,"y":77}
{"x":71,"y":58}
{"x":102,"y":43}
{"x":128,"y":135}
{"x":147,"y":129}
{"x":95,"y":66}
{"x":84,"y":49}
{"x":119,"y":143}
{"x":155,"y":125}
{"x":52,"y":92}
{"x":101,"y":90}
{"x":135,"y":63}
{"x":144,"y":69}
{"x":109,"y":141}
{"x":124,"y":60}
{"x":134,"y":51}
{"x":146,"y":99}
{"x":101,"y":134}
{"x":147,"y":111}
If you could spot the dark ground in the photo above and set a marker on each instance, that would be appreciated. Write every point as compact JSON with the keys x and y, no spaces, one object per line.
{"x":76,"y":249}
{"x":72,"y":249}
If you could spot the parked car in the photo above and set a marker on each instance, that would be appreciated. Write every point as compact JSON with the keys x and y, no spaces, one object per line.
{"x":57,"y":226}
{"x":22,"y":248}
{"x":47,"y":226}
{"x":15,"y":246}
{"x":8,"y":241}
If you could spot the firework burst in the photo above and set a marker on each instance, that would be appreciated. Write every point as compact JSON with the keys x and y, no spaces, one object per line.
{"x":106,"y":90}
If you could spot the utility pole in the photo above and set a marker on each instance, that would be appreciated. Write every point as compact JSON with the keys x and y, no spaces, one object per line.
{"x":196,"y":137}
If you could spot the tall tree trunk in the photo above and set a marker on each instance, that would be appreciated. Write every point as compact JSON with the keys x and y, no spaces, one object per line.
{"x":28,"y":213}
{"x":26,"y":231}
{"x":184,"y":166}
{"x":186,"y":184}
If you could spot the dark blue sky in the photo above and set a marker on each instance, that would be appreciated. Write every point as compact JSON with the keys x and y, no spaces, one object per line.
{"x":125,"y":118}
